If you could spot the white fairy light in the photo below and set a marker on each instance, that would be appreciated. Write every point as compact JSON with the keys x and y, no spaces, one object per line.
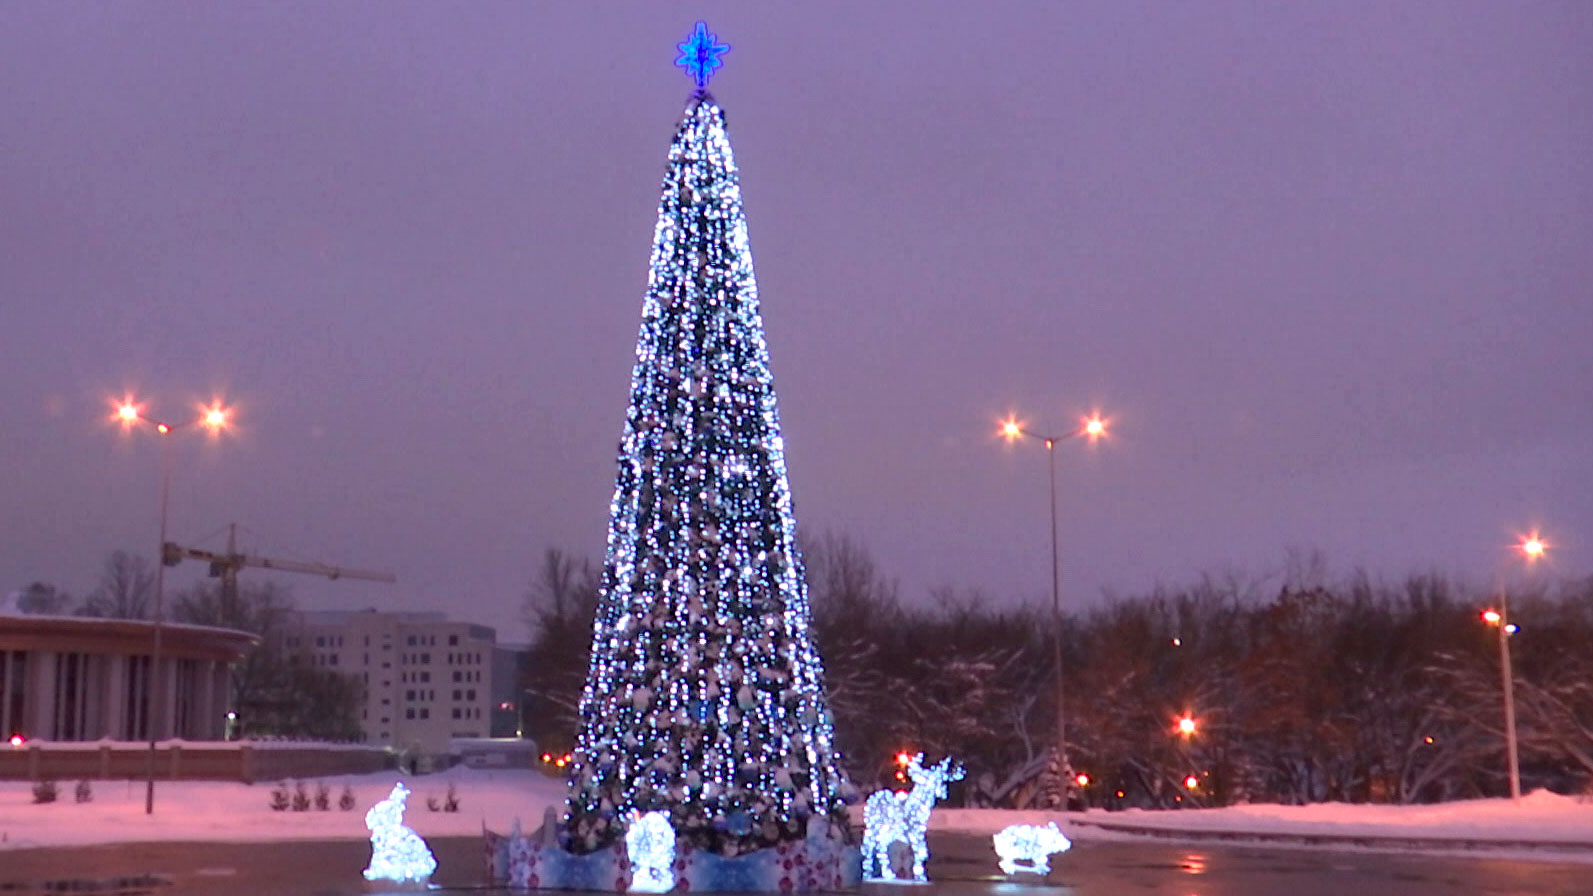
{"x":890,"y":816}
{"x":397,"y":853}
{"x":650,"y":843}
{"x":705,"y":687}
{"x":1029,"y":843}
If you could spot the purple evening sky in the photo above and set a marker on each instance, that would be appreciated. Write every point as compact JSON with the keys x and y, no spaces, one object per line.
{"x":1326,"y":267}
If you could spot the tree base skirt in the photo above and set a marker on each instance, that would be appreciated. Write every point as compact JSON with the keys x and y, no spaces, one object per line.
{"x":807,"y":866}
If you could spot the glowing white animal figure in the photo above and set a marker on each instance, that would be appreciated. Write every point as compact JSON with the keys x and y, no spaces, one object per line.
{"x":889,"y":816}
{"x":397,"y":853}
{"x":650,"y":843}
{"x":1032,"y":844}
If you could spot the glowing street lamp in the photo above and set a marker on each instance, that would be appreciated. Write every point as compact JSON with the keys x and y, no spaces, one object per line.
{"x":1532,"y":547}
{"x":1186,"y":725}
{"x":215,"y":418}
{"x":1094,"y":429}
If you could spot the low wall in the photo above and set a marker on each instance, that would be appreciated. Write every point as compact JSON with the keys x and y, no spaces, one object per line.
{"x":190,"y":760}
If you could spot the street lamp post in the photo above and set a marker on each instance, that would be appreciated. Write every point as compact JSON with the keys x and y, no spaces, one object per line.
{"x":1093,"y":428}
{"x":213,"y":418}
{"x":1532,"y":547}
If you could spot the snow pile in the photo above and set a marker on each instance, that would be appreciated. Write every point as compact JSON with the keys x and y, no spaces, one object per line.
{"x":1542,"y":817}
{"x":234,"y":812}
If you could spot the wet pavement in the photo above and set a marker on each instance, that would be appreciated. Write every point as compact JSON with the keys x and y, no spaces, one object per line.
{"x":961,"y":865}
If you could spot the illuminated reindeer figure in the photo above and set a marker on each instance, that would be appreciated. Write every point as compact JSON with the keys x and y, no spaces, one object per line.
{"x":890,"y":816}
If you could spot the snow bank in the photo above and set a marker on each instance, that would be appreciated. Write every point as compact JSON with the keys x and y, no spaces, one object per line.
{"x":234,"y":812}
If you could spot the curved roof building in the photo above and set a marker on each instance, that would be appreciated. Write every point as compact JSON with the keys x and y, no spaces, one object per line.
{"x":70,"y":678}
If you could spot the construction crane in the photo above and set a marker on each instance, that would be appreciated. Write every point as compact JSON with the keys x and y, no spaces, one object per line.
{"x":225,"y":566}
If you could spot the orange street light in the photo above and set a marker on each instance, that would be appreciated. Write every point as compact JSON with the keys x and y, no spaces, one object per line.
{"x":129,"y":412}
{"x":1532,"y":547}
{"x":1186,"y":725}
{"x":1093,"y":428}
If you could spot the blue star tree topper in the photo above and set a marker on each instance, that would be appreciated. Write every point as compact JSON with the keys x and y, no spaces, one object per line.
{"x":699,"y":55}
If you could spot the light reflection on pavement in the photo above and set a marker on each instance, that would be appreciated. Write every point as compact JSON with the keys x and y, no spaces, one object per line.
{"x":960,"y":865}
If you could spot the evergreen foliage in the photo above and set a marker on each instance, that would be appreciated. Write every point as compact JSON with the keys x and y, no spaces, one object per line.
{"x":704,"y":695}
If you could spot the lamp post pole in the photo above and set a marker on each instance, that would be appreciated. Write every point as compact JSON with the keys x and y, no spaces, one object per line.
{"x":1507,"y":681}
{"x":1532,"y":547}
{"x":213,"y":418}
{"x":156,"y":704}
{"x":1094,"y":428}
{"x":1063,"y":768}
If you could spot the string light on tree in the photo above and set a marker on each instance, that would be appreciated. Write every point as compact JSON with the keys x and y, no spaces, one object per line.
{"x":704,"y":698}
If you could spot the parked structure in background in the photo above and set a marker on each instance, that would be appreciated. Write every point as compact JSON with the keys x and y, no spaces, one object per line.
{"x":68,"y":678}
{"x":509,"y":697}
{"x":428,"y":679}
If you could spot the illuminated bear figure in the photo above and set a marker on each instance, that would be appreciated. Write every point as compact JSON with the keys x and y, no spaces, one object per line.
{"x":397,"y":853}
{"x":1032,"y":844}
{"x":650,"y":843}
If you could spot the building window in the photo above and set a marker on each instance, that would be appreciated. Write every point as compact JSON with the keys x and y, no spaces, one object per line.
{"x":425,"y":713}
{"x":425,"y":659}
{"x":411,"y":640}
{"x":409,"y":713}
{"x":470,"y":694}
{"x":453,"y":640}
{"x":456,"y":712}
{"x":456,"y":693}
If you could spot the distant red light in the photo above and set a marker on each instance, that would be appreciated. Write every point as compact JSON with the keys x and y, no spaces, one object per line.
{"x":17,"y":740}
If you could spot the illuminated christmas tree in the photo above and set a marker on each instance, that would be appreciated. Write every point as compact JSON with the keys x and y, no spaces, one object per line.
{"x":705,"y":695}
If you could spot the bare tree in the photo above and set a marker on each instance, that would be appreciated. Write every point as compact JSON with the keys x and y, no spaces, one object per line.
{"x":126,"y":589}
{"x":559,"y":607}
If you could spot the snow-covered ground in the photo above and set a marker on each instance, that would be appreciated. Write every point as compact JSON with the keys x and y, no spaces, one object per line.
{"x":1541,"y":817}
{"x":217,"y":811}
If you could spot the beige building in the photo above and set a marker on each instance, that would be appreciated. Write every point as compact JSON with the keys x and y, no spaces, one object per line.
{"x":428,"y":680}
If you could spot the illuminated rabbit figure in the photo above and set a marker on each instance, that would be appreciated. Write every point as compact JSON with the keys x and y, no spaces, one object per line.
{"x":397,"y":853}
{"x":890,"y":816}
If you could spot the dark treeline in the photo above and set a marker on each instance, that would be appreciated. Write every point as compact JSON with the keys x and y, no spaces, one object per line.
{"x":1305,"y":692}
